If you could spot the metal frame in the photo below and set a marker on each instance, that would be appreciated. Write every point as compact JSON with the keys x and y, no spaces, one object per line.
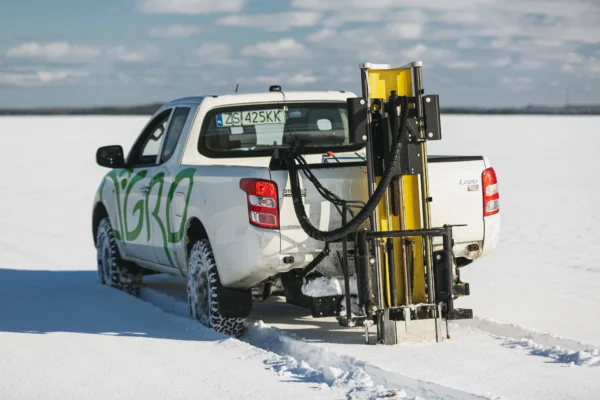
{"x":364,"y":262}
{"x":435,"y":309}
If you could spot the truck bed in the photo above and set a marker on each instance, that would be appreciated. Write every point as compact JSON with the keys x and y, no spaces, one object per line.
{"x":455,"y":186}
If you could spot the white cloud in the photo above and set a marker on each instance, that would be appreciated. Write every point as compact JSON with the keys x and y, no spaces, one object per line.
{"x":403,"y":30}
{"x":345,"y":16}
{"x":174,"y":31}
{"x":321,"y":35}
{"x":354,"y":40}
{"x":213,"y":54}
{"x":574,"y":58}
{"x":388,"y":4}
{"x":582,"y":67}
{"x":530,"y":64}
{"x":462,"y":64}
{"x":56,"y":51}
{"x":273,"y":22}
{"x":406,"y":15}
{"x":543,"y":33}
{"x":425,"y":53}
{"x":67,"y":52}
{"x":302,"y":79}
{"x":297,"y":79}
{"x":593,"y":65}
{"x":283,"y":48}
{"x":188,"y":6}
{"x":500,"y":43}
{"x":153,"y":81}
{"x":500,"y":62}
{"x":466,"y":43}
{"x":519,"y":81}
{"x":122,"y":53}
{"x":40,"y":77}
{"x":213,"y":50}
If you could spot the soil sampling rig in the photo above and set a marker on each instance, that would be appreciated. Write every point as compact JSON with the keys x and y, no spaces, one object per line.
{"x":399,"y":277}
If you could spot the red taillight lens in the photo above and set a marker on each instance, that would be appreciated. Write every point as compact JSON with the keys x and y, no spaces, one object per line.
{"x":491,"y":196}
{"x":263,"y":208}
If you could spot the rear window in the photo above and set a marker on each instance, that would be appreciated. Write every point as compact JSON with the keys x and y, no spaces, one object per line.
{"x":256,"y":130}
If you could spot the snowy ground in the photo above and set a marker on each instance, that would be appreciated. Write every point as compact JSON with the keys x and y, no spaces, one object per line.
{"x":537,"y":299}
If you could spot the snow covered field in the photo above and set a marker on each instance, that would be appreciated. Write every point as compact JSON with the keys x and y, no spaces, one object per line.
{"x":536,"y":333}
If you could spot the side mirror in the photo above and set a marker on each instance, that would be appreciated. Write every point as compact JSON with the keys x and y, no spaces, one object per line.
{"x":357,"y":120}
{"x":110,"y":157}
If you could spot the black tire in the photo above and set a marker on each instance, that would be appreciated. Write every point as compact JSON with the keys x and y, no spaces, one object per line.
{"x":203,"y":286}
{"x":112,"y":269}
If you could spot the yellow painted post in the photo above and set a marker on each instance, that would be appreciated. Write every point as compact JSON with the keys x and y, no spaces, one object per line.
{"x":382,"y":80}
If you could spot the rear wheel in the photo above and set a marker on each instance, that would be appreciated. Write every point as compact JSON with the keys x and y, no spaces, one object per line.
{"x":203,"y":286}
{"x":112,"y":269}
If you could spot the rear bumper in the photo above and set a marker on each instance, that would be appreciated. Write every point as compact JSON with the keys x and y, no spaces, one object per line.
{"x":492,"y":234}
{"x":252,"y":256}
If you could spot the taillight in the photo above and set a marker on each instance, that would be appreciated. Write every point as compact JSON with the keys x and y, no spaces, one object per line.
{"x":491,"y":196}
{"x":263,"y":207}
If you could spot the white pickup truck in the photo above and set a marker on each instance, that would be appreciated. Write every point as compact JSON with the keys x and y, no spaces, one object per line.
{"x":196,"y":197}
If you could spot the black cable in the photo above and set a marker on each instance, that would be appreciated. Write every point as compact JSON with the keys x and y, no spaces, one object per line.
{"x":329,"y":236}
{"x":323,"y":191}
{"x":331,"y":197}
{"x":326,"y":193}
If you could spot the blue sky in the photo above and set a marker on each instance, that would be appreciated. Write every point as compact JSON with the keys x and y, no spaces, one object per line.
{"x":475,"y":52}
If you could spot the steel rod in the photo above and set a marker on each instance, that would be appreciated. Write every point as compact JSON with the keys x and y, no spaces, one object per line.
{"x":392,"y":271}
{"x":371,"y":186}
{"x":448,"y":262}
{"x":345,"y":267}
{"x":418,"y":83}
{"x":406,"y":233}
{"x":409,"y":252}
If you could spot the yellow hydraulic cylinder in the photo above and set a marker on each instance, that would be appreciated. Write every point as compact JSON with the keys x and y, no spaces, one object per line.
{"x":382,"y":80}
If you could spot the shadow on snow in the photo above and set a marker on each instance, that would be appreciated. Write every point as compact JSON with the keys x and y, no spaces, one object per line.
{"x":40,"y":302}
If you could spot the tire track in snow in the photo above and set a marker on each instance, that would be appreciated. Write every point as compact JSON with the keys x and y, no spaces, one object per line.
{"x":561,"y":350}
{"x":304,"y":361}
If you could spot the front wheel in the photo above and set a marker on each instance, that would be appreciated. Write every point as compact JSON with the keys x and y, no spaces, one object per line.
{"x":112,"y":269}
{"x":203,"y":287}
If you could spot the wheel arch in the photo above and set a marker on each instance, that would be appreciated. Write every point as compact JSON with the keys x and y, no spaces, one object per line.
{"x":98,"y":215}
{"x":194,"y":230}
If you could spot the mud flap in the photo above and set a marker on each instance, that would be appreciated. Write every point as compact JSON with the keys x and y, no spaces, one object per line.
{"x":235,"y":303}
{"x":292,"y":289}
{"x":326,"y":306}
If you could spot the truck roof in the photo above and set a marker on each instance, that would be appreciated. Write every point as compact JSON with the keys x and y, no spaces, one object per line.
{"x":259,"y":97}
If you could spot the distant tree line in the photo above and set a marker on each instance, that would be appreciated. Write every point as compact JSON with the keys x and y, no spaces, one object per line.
{"x":529,"y":110}
{"x":145,"y":109}
{"x":149,"y":109}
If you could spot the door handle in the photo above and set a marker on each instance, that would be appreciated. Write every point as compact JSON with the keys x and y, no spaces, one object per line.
{"x":145,"y":189}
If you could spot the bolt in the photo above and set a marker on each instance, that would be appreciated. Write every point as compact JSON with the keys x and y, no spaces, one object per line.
{"x":438,"y":257}
{"x":364,"y":137}
{"x":430,"y":134}
{"x":372,"y":261}
{"x":362,"y":101}
{"x":428,"y":99}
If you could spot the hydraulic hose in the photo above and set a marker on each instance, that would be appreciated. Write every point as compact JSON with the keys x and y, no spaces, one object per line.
{"x":365,"y":212}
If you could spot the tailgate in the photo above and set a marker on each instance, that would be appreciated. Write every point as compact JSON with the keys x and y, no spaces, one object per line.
{"x":347,"y":180}
{"x":456,"y":189}
{"x":455,"y":186}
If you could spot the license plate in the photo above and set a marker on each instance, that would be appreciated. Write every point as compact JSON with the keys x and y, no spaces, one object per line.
{"x":258,"y":117}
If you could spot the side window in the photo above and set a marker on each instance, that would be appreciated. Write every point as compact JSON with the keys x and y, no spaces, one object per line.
{"x":145,"y":149}
{"x":176,"y":125}
{"x":152,"y":145}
